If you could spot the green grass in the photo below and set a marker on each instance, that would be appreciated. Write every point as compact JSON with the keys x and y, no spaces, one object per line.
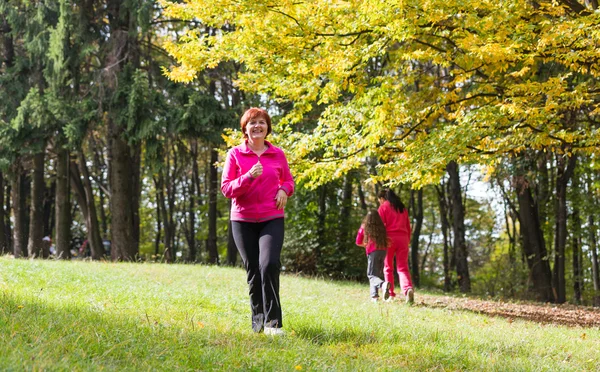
{"x":137,"y":317}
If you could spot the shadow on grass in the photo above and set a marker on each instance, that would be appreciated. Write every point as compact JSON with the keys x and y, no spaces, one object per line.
{"x":35,"y":335}
{"x":322,"y":336}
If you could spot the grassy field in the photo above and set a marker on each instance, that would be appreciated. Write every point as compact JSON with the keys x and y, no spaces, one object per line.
{"x":81,"y":316}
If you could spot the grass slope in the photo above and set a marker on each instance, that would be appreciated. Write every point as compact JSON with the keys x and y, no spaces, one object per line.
{"x":136,"y":317}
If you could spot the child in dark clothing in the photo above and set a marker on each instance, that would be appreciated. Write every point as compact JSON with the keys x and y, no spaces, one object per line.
{"x":373,"y":237}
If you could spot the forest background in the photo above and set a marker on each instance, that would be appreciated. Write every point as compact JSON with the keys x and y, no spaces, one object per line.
{"x":100,"y":140}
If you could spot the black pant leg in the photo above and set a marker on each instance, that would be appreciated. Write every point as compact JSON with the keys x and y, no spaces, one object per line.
{"x":271,"y":242}
{"x":246,"y":237}
{"x":375,"y":262}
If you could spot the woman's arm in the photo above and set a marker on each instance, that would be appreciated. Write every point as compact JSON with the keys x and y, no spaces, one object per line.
{"x":233,"y":186}
{"x":287,"y":181}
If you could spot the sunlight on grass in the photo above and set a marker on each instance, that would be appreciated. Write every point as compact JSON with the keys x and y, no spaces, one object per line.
{"x":130,"y":317}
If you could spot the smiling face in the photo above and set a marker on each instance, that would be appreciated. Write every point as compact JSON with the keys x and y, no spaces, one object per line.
{"x":257,"y":128}
{"x":256,"y":124}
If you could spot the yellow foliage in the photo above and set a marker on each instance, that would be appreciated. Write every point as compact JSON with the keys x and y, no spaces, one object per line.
{"x":413,"y":84}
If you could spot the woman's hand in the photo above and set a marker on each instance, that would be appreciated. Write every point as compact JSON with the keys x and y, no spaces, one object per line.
{"x":281,"y":199}
{"x":256,"y":170}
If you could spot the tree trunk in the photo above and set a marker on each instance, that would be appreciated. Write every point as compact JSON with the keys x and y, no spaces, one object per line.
{"x":192,"y":222}
{"x":158,"y":238}
{"x":417,"y":213}
{"x":3,"y":239}
{"x":343,"y":222}
{"x":361,"y":197}
{"x":80,"y":182}
{"x":321,"y":223}
{"x":534,"y":246}
{"x":93,"y":227}
{"x":211,"y":240}
{"x":595,"y":266}
{"x":564,"y":172}
{"x":445,"y":227}
{"x":49,"y":212}
{"x":576,"y":239}
{"x":577,"y":272}
{"x":7,"y":222}
{"x":124,"y":164}
{"x":458,"y":218}
{"x":36,"y":212}
{"x":63,"y":206}
{"x":123,"y":245}
{"x":19,"y":213}
{"x":160,"y":191}
{"x":99,"y":167}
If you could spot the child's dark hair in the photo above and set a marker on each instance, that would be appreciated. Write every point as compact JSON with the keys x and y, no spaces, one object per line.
{"x":375,"y":229}
{"x":390,"y":195}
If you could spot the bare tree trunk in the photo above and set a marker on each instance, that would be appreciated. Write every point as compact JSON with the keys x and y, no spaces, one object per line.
{"x":533,"y":242}
{"x":160,"y":190}
{"x":458,"y":217}
{"x":123,"y":245}
{"x":417,"y":212}
{"x":93,"y":227}
{"x":321,"y":219}
{"x":192,"y":222}
{"x":63,"y":206}
{"x":211,"y":240}
{"x":576,"y":239}
{"x":99,"y":166}
{"x":343,"y":219}
{"x":85,"y":199}
{"x":595,"y":266}
{"x":3,"y":239}
{"x":7,"y":224}
{"x":158,"y":220}
{"x":361,"y":197}
{"x":564,"y":172}
{"x":49,"y":212}
{"x":577,"y":272}
{"x":19,"y":212}
{"x":36,"y":212}
{"x":445,"y":227}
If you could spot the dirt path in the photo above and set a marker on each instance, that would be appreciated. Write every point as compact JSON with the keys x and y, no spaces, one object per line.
{"x":569,"y":315}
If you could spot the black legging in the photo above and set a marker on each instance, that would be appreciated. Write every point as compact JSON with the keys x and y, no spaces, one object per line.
{"x":260,"y":245}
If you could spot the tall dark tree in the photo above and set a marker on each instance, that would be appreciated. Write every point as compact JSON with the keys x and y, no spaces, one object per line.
{"x":417,"y":213}
{"x":458,"y":224}
{"x":36,"y":216}
{"x":565,"y":168}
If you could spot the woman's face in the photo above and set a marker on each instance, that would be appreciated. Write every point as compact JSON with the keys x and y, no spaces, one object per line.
{"x":381,"y":201}
{"x":257,"y":128}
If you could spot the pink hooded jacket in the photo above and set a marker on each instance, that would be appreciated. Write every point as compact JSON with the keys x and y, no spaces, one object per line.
{"x":253,"y":199}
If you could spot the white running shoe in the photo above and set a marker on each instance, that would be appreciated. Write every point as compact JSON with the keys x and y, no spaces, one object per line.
{"x":272,"y":331}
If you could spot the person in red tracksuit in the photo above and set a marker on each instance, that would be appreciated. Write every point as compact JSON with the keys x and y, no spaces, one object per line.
{"x":257,"y":178}
{"x":394,"y":215}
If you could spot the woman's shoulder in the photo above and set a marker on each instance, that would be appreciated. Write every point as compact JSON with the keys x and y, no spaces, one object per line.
{"x":274,"y":149}
{"x":237,"y":149}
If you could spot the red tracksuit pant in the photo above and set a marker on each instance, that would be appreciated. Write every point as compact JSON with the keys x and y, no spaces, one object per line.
{"x":399,"y":248}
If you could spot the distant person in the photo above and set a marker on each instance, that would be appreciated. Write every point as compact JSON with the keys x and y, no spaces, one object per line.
{"x":257,"y":178}
{"x":397,"y":225}
{"x":373,"y":237}
{"x":84,"y":249}
{"x":47,"y":247}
